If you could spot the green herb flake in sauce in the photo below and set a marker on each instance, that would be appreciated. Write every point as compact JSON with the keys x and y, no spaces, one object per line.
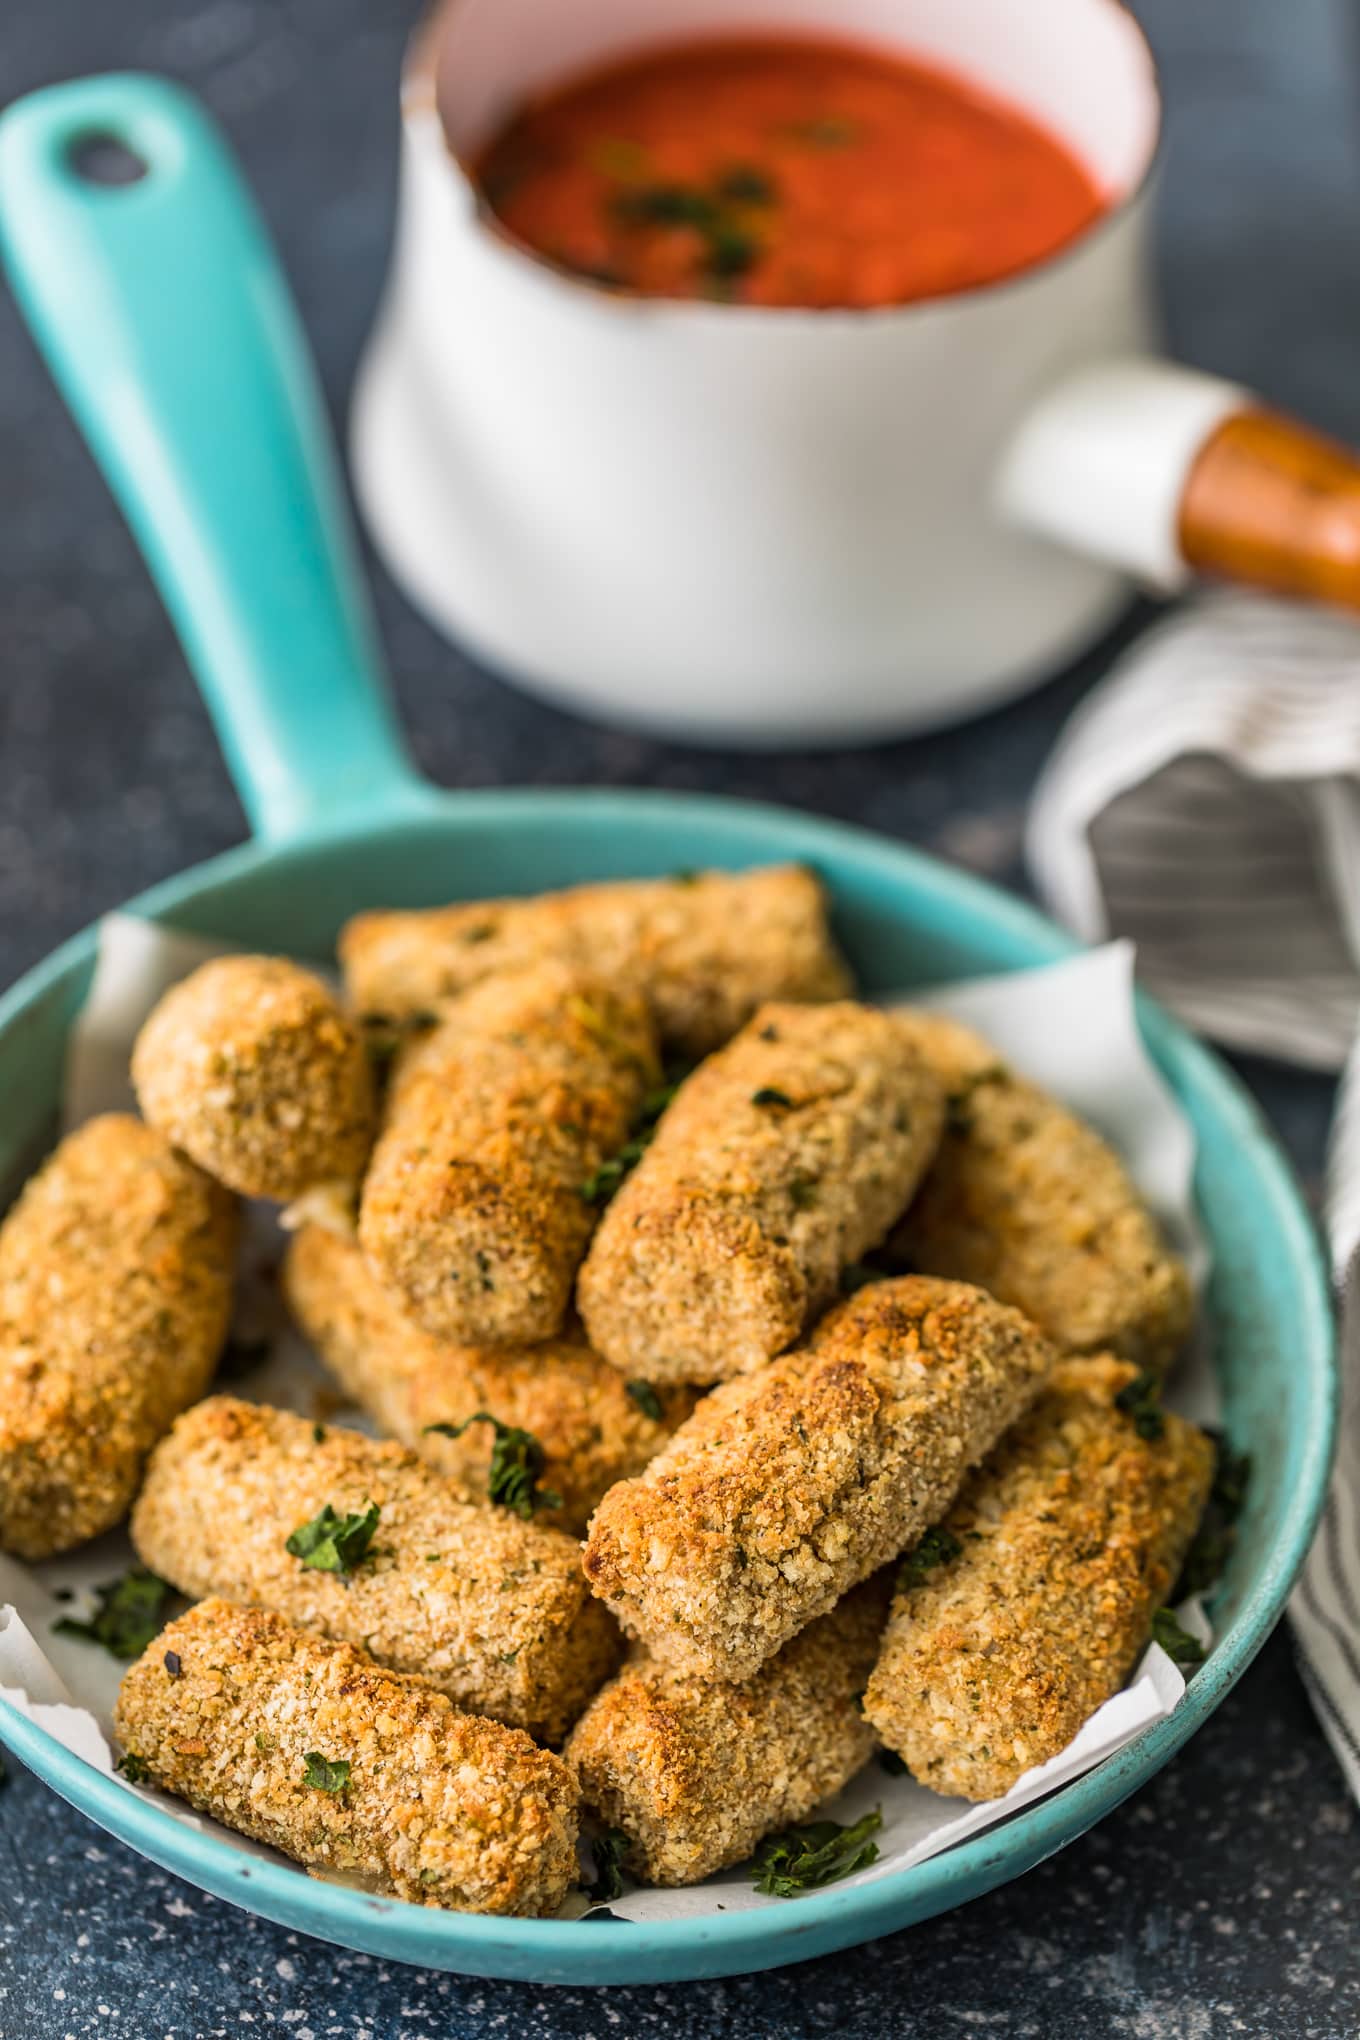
{"x":665,"y":205}
{"x":745,"y":185}
{"x":732,"y":252}
{"x":829,"y":131}
{"x":612,"y":156}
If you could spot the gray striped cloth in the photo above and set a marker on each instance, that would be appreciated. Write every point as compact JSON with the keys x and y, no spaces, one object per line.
{"x":1205,"y":803}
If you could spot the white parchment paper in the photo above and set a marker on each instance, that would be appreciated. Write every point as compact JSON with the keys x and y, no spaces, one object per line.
{"x":1070,"y":1026}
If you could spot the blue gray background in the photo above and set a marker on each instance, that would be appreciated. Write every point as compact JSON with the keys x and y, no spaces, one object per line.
{"x":1223,"y":1899}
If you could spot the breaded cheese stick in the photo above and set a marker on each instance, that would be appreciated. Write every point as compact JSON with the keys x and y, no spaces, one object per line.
{"x":252,"y":1069}
{"x":1063,"y":1546}
{"x":785,"y":1157}
{"x":115,"y":1293}
{"x":787,"y":1487}
{"x":594,"y":1427}
{"x":474,"y":1209}
{"x":1030,"y":1203}
{"x":490,"y":1609}
{"x":695,"y":1773}
{"x":708,"y":948}
{"x":311,"y":1747}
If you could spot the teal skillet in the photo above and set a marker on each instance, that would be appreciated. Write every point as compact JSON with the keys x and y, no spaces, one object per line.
{"x":160,"y":309}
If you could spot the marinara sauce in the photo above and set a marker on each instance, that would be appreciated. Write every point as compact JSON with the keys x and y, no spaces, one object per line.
{"x":783,"y":171}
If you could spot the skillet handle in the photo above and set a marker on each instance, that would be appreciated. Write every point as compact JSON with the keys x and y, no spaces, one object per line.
{"x":162,"y":314}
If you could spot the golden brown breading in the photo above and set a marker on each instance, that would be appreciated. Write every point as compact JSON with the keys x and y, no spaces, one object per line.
{"x":1071,"y":1535}
{"x":694,"y":1773}
{"x":592,"y":1429}
{"x":490,"y":1609}
{"x":436,"y":1806}
{"x":788,"y":1486}
{"x":115,"y":1292}
{"x":473,"y":1210}
{"x":786,"y":1156}
{"x":707,"y":949}
{"x":251,"y":1068}
{"x":1030,"y":1203}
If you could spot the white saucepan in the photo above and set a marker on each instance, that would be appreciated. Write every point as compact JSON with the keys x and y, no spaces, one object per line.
{"x":783,"y":527}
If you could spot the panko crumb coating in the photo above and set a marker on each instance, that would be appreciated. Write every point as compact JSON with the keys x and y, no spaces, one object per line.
{"x":708,"y":948}
{"x":438,"y":1807}
{"x":694,"y":1774}
{"x":490,"y":1609}
{"x":252,"y":1069}
{"x":787,"y":1487}
{"x":784,"y":1158}
{"x":1027,"y":1201}
{"x":593,"y":1431}
{"x":115,"y":1295}
{"x":474,"y":1210}
{"x":1072,"y":1535}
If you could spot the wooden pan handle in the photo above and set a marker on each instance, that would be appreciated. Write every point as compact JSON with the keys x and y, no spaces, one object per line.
{"x":1269,"y":502}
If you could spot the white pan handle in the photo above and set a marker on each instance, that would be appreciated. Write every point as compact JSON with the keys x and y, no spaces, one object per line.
{"x":1165,"y":473}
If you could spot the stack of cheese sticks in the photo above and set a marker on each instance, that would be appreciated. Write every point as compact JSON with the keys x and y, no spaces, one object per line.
{"x":764,"y":1379}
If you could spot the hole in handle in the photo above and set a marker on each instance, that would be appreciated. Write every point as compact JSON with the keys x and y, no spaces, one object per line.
{"x":99,"y":157}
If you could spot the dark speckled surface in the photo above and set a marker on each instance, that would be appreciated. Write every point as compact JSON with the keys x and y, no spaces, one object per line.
{"x":1222,"y":1900}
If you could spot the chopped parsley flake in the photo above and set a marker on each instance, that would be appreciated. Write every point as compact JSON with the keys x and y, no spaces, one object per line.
{"x":607,"y":1851}
{"x":768,"y":1095}
{"x":805,"y":1858}
{"x":241,"y":1356}
{"x":1217,"y":1533}
{"x":332,"y":1543}
{"x":647,"y":1400}
{"x":1182,"y":1648}
{"x":959,"y":1103}
{"x":323,"y":1774}
{"x":134,"y":1768}
{"x":1141,"y":1400}
{"x":517,"y":1460}
{"x":600,"y":1187}
{"x":130,"y":1615}
{"x":858,"y":1276}
{"x":937,"y":1547}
